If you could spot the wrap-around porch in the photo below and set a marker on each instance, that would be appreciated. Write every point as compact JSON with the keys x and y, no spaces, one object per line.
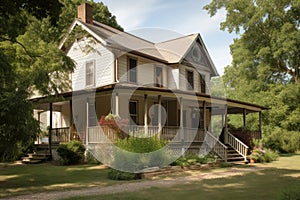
{"x":178,"y":118}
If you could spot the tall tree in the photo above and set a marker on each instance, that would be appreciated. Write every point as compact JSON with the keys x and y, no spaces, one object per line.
{"x":269,"y":41}
{"x":31,"y":62}
{"x":266,"y":56}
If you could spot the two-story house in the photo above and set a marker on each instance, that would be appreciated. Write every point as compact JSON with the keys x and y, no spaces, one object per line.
{"x":161,"y":88}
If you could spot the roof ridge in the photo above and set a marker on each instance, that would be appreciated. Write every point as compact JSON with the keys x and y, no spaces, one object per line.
{"x":119,"y":31}
{"x":177,"y":38}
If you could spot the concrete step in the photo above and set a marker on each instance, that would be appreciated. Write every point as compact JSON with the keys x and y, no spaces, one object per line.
{"x":28,"y":160}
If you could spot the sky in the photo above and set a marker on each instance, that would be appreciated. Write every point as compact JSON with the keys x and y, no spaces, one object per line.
{"x":173,"y":18}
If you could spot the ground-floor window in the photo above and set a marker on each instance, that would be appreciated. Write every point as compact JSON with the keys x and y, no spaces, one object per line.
{"x":133,"y":112}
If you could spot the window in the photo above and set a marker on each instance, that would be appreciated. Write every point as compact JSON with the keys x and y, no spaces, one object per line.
{"x":132,"y":63}
{"x":133,"y":112}
{"x":202,"y":83}
{"x":90,"y":73}
{"x":158,"y":77}
{"x":190,"y":79}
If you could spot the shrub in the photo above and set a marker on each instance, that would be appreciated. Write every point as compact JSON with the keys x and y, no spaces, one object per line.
{"x":119,"y":175}
{"x":90,"y":159}
{"x":283,"y":141}
{"x":71,"y":152}
{"x":137,"y":162}
{"x":261,"y":154}
{"x":189,"y":160}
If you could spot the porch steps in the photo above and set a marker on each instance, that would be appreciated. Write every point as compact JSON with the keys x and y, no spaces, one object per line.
{"x":233,"y":156}
{"x":40,"y":154}
{"x":34,"y":158}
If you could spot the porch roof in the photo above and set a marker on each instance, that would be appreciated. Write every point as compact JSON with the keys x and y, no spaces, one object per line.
{"x":218,"y":104}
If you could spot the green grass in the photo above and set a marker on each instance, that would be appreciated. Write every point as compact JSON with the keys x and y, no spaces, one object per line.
{"x":269,"y":183}
{"x":20,"y":179}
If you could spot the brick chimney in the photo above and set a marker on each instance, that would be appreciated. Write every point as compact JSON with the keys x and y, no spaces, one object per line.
{"x":85,"y":13}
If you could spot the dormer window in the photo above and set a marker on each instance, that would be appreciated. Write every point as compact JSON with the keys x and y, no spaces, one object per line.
{"x":90,"y":73}
{"x":158,"y":76}
{"x":132,"y":63}
{"x":190,"y":79}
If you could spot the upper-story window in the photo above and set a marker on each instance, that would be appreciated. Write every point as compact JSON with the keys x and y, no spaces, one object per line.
{"x":190,"y":79}
{"x":90,"y":73}
{"x":158,"y":76}
{"x":202,"y":83}
{"x":132,"y":63}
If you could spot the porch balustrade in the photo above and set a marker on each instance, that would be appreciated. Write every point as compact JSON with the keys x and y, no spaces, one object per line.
{"x":102,"y":134}
{"x":60,"y":134}
{"x":214,"y":143}
{"x":238,"y":145}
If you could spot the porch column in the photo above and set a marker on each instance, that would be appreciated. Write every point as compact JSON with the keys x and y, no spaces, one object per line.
{"x":159,"y":116}
{"x":70,"y":120}
{"x":226,"y":127}
{"x":87,"y":123}
{"x":181,"y":125}
{"x":260,"y":123}
{"x":117,"y":104}
{"x":50,"y":129}
{"x":223,"y":120}
{"x":204,"y":116}
{"x":146,"y":114}
{"x":244,"y":118}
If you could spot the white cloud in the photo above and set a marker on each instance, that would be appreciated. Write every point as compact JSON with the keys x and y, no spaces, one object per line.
{"x":131,"y":13}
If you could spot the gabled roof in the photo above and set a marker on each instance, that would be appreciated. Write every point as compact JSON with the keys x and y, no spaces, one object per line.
{"x":170,"y":52}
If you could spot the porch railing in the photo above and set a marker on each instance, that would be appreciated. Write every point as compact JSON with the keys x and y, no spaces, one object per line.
{"x":219,"y":148}
{"x":99,"y":134}
{"x":238,"y":145}
{"x":60,"y":134}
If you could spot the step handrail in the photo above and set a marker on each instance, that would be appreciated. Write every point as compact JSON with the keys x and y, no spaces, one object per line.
{"x":219,"y":148}
{"x":238,"y":145}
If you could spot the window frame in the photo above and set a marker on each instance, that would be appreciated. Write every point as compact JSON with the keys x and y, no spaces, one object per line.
{"x":160,"y":82}
{"x":190,"y":86}
{"x":130,"y":70}
{"x":133,"y":115}
{"x":87,"y":84}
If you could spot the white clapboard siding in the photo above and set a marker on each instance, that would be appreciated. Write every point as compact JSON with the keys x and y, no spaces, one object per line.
{"x":81,"y":53}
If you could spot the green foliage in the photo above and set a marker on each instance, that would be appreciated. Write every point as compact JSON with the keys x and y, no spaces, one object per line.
{"x":185,"y":161}
{"x":133,"y":153}
{"x":90,"y":159}
{"x":265,"y":69}
{"x":71,"y":152}
{"x":120,"y":175}
{"x":261,"y":154}
{"x":30,"y":62}
{"x":283,"y":141}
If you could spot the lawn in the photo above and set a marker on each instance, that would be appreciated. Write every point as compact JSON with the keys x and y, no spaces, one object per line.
{"x":20,"y":179}
{"x":270,"y":183}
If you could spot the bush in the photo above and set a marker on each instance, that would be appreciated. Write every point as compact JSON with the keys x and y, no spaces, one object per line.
{"x":283,"y":141}
{"x":136,"y":162}
{"x":185,"y":161}
{"x":90,"y":159}
{"x":261,"y":154}
{"x":71,"y":152}
{"x":119,"y":175}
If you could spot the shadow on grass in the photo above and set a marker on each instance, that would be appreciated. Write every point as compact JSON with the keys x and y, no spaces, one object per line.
{"x":15,"y":180}
{"x":263,"y":184}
